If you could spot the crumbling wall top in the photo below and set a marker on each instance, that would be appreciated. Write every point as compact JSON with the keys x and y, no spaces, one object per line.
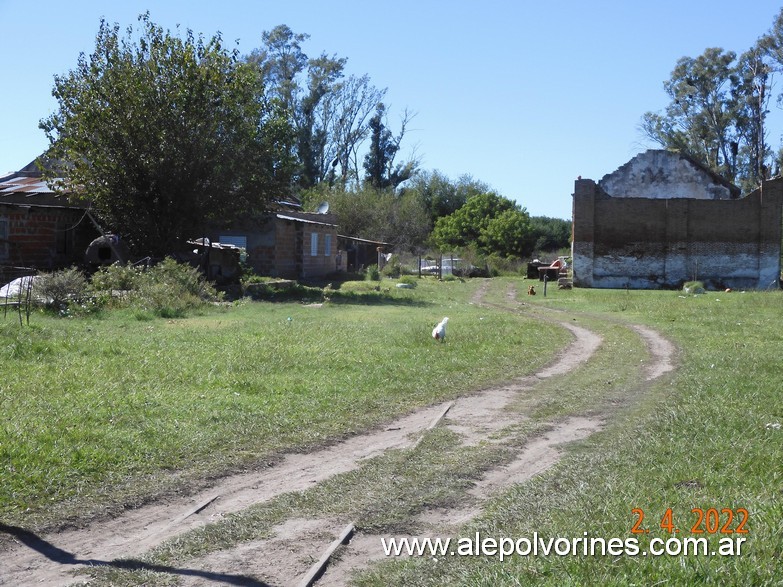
{"x":661,"y":174}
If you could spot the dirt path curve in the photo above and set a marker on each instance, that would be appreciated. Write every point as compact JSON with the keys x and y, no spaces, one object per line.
{"x":53,"y":559}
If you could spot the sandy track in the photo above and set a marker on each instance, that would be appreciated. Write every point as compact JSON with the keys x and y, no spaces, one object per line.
{"x":52,"y":560}
{"x":286,"y":558}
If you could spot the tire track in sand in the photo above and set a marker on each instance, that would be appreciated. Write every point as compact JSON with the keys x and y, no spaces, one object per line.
{"x":137,"y":531}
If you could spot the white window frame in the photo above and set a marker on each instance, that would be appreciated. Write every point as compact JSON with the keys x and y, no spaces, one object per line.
{"x":314,"y":244}
{"x":327,"y":245}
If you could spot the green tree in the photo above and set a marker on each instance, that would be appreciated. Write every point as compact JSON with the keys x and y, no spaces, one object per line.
{"x":550,"y":234}
{"x":767,"y":58}
{"x":508,"y":234}
{"x":302,"y":84}
{"x":440,"y":195}
{"x":347,"y":112}
{"x":163,"y":134}
{"x":383,"y":215}
{"x":488,"y":223}
{"x":280,"y":61}
{"x":381,"y":172}
{"x":719,"y":108}
{"x":330,"y":112}
{"x":700,"y":118}
{"x":752,"y":92}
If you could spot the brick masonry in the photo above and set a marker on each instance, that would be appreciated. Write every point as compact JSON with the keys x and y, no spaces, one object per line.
{"x":658,"y":242}
{"x":281,"y":247}
{"x":44,"y":237}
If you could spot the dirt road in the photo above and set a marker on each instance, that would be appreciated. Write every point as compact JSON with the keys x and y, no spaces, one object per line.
{"x":287,"y":557}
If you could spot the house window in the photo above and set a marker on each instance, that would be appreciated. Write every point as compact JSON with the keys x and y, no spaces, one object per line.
{"x":314,"y":244}
{"x":3,"y":238}
{"x":327,"y":245}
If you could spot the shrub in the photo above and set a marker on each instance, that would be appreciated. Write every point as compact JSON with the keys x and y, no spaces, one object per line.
{"x":372,"y":273}
{"x":59,"y":288}
{"x":499,"y":265}
{"x":393,"y":268}
{"x":116,"y":277}
{"x":116,"y":281}
{"x":693,"y":287}
{"x":170,"y":289}
{"x":182,"y":278}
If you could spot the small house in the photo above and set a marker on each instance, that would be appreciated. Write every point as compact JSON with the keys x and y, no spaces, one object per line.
{"x":286,"y":243}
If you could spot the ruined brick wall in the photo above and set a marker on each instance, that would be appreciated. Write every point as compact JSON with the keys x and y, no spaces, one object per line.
{"x":662,"y":174}
{"x":662,"y":243}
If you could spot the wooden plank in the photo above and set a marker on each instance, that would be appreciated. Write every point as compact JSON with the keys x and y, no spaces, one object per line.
{"x":317,"y":570}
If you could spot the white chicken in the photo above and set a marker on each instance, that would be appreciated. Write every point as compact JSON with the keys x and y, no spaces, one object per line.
{"x":439,"y":332}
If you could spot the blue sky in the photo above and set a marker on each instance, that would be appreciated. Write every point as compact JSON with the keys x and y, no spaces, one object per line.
{"x":522,"y":95}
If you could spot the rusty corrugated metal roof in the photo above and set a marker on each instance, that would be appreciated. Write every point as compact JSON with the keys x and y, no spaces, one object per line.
{"x":22,"y":190}
{"x":24,"y":185}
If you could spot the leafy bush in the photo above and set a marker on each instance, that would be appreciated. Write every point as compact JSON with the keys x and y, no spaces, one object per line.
{"x":117,"y":277}
{"x":693,"y":287}
{"x":499,"y":265}
{"x":60,"y":288}
{"x":393,"y":268}
{"x":169,"y":289}
{"x":372,"y":273}
{"x":116,"y":282}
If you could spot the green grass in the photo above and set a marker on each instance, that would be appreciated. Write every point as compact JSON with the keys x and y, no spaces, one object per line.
{"x":88,"y":403}
{"x":698,"y":439}
{"x":385,"y":494}
{"x":101,"y":413}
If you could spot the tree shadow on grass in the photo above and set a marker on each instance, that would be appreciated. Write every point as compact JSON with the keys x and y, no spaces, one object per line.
{"x":63,"y":557}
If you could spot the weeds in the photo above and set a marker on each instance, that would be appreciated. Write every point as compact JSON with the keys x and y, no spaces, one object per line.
{"x":168,"y":289}
{"x":58,"y":289}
